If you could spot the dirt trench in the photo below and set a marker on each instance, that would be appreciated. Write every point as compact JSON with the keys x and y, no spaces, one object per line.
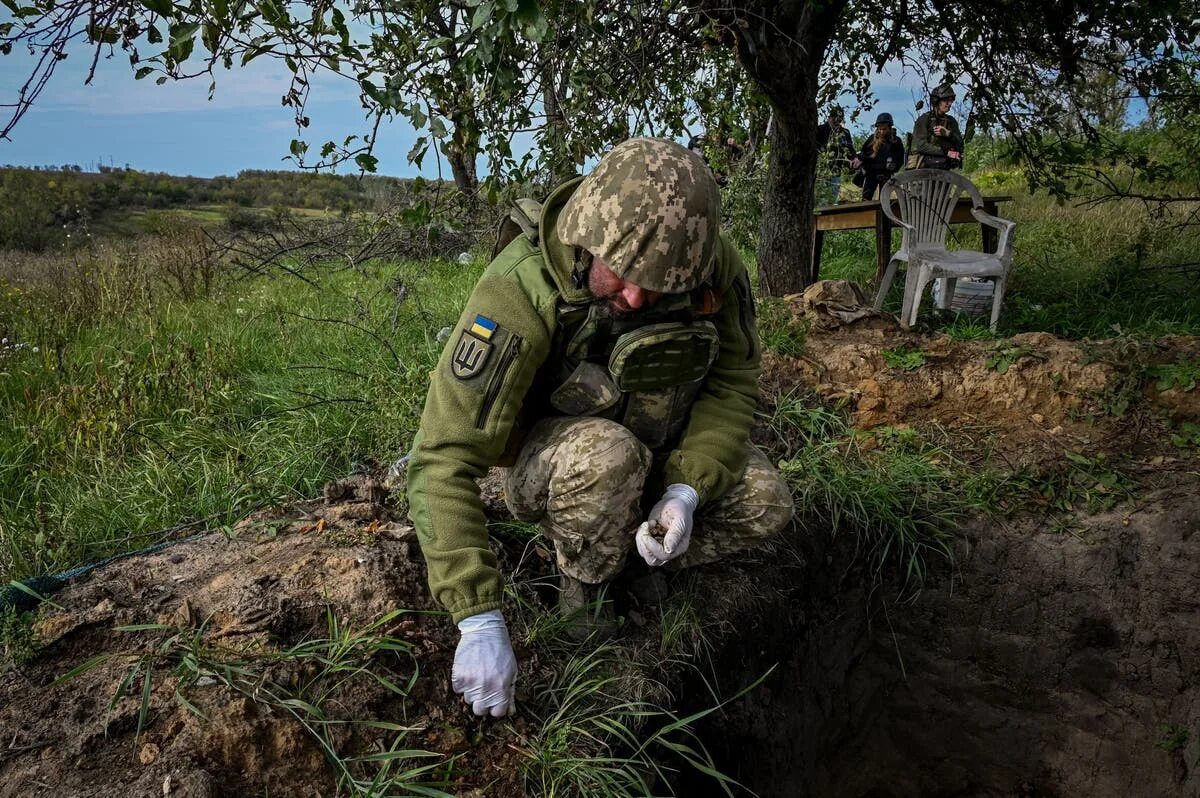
{"x":1058,"y":656}
{"x":1045,"y":664}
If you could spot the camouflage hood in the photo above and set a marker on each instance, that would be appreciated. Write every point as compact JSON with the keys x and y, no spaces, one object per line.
{"x":651,"y":211}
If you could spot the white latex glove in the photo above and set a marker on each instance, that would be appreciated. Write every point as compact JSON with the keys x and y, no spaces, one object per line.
{"x":485,"y":668}
{"x":674,"y":511}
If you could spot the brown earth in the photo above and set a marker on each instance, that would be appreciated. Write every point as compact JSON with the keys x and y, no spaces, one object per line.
{"x":1044,"y":663}
{"x":269,"y":586}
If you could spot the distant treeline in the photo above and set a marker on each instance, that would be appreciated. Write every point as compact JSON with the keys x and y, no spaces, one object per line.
{"x":38,"y":204}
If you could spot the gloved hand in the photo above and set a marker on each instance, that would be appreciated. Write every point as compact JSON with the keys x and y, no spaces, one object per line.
{"x":485,"y":668}
{"x":674,"y":511}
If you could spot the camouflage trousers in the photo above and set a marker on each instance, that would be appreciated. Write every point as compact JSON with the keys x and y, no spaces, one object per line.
{"x":583,"y":480}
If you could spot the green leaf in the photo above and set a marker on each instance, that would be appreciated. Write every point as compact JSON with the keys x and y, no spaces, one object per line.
{"x":438,"y":128}
{"x":255,"y":53}
{"x":366,"y":162}
{"x":103,"y":34}
{"x":417,"y":153}
{"x":298,"y":147}
{"x":83,"y":667}
{"x":144,"y":709}
{"x":482,"y":16}
{"x":153,"y":36}
{"x":531,"y":16}
{"x":143,"y":72}
{"x":417,"y":116}
{"x":160,"y":7}
{"x":183,"y":41}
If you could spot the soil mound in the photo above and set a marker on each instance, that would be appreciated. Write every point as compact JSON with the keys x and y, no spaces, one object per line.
{"x":234,"y":614}
{"x":1028,"y":397}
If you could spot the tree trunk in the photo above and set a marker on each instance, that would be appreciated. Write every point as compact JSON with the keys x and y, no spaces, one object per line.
{"x":781,"y":47}
{"x":461,"y":153}
{"x":786,"y":229}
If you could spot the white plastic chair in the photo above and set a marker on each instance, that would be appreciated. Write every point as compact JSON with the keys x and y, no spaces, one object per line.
{"x":927,"y":198}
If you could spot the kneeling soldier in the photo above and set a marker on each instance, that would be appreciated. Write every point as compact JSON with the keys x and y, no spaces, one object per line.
{"x":608,"y":354}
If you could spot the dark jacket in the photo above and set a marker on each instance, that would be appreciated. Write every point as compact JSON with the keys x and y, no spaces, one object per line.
{"x":890,"y":157}
{"x":926,"y":143}
{"x":840,"y":148}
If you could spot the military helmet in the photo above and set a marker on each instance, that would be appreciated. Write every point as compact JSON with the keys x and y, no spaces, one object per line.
{"x":942,"y":92}
{"x":884,"y":119}
{"x":651,"y":211}
{"x":837,"y":112}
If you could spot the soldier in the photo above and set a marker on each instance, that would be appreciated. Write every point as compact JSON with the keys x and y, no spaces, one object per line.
{"x":835,"y":150}
{"x":609,"y":354}
{"x":936,"y":142}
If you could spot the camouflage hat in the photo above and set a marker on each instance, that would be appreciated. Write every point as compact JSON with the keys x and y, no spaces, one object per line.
{"x":942,"y":92}
{"x":651,"y":211}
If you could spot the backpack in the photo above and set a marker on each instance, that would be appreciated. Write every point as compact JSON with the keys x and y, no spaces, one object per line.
{"x":524,"y":219}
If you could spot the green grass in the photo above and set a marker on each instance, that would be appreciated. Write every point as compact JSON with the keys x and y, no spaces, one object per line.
{"x":779,"y":329}
{"x":593,"y":740}
{"x":131,"y":410}
{"x":18,"y":643}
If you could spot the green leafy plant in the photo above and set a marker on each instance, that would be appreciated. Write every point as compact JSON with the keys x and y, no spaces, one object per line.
{"x":1187,"y":436}
{"x":18,"y":642}
{"x":904,"y":503}
{"x":1172,"y":737}
{"x":1088,"y":483}
{"x":904,"y":358}
{"x":1182,"y":374}
{"x":968,"y":328}
{"x":1005,"y":356}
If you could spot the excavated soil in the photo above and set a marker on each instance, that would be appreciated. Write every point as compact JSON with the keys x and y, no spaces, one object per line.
{"x":270,"y":585}
{"x":1060,"y":655}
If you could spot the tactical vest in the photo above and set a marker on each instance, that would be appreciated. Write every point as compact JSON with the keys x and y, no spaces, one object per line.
{"x":642,"y":372}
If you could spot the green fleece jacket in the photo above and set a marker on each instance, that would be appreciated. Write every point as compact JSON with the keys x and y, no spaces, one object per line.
{"x":491,"y":361}
{"x":926,"y":143}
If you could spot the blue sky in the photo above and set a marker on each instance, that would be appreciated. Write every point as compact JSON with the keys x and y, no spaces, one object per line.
{"x":175,"y":128}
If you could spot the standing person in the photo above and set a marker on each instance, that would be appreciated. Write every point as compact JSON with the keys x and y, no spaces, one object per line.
{"x":609,"y":354}
{"x":835,"y":150}
{"x":937,"y":144}
{"x":881,"y":156}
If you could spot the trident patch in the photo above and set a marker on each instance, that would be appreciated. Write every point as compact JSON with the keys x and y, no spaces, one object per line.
{"x":473,"y":349}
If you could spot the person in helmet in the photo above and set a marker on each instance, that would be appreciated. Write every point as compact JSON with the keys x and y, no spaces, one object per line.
{"x":936,"y":141}
{"x":835,"y":149}
{"x":608,"y":355}
{"x":881,"y":156}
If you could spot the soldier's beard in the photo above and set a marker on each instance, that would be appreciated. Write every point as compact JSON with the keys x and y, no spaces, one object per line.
{"x":614,"y":307}
{"x":610,"y":302}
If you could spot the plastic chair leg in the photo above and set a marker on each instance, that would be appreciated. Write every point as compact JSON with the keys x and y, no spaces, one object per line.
{"x":997,"y":299}
{"x":885,"y":283}
{"x":948,"y":284}
{"x":910,"y":279}
{"x":918,"y":291}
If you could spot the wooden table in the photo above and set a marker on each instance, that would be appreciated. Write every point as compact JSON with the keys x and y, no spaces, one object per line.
{"x":865,"y":215}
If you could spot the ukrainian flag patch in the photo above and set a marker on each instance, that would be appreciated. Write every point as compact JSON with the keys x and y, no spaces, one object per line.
{"x":483,"y":327}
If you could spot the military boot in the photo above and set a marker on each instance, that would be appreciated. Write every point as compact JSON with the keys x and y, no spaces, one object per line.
{"x":586,"y":610}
